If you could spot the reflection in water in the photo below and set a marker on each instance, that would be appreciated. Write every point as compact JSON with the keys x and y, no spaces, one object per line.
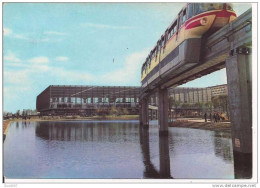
{"x":71,"y":131}
{"x":223,"y":146}
{"x":164,"y":157}
{"x":114,"y":149}
{"x":150,"y":171}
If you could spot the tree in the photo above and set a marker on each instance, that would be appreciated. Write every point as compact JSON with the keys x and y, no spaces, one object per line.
{"x":113,"y":111}
{"x":18,"y":113}
{"x":173,"y":103}
{"x":125,"y":111}
{"x":209,"y":105}
{"x":220,"y":101}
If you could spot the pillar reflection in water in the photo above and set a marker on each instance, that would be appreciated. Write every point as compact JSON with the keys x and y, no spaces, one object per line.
{"x":223,"y":146}
{"x":165,"y":171}
{"x":150,"y":170}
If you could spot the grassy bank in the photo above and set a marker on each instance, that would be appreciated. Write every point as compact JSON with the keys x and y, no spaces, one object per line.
{"x":220,"y":126}
{"x":78,"y":118}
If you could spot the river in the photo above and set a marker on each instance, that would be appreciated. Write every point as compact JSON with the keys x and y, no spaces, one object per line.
{"x":114,"y":149}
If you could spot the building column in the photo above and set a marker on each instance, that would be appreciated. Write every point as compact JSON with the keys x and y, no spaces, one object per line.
{"x":163,"y":111}
{"x":239,"y":79}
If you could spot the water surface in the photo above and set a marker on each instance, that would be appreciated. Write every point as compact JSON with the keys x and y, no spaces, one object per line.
{"x":114,"y":149}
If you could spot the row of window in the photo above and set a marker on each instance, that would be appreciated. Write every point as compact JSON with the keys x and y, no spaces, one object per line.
{"x":77,"y":100}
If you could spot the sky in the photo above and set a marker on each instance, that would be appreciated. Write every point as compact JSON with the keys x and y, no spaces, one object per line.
{"x":82,"y":44}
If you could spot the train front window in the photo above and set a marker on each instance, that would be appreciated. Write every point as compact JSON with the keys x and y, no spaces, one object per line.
{"x":229,"y":7}
{"x":184,"y":16}
{"x":203,"y":7}
{"x":190,"y":11}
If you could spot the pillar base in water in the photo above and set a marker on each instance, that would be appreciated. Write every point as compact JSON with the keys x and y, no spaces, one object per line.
{"x":163,"y":133}
{"x":242,"y":165}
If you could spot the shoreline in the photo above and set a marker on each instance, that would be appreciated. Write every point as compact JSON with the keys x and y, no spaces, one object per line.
{"x":6,"y":125}
{"x":199,"y":124}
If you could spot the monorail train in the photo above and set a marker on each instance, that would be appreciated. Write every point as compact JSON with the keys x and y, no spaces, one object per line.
{"x":179,"y":47}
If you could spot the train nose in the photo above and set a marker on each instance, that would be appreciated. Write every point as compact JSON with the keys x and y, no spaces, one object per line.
{"x":220,"y":22}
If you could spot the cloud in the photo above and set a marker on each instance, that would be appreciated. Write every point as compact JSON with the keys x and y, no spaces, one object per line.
{"x":69,"y":76}
{"x":33,"y":37}
{"x":130,"y":72}
{"x":12,"y":58}
{"x":61,"y":58}
{"x":20,"y":36}
{"x":41,"y":59}
{"x":54,"y":33}
{"x":17,"y":77}
{"x":104,"y":26}
{"x":7,"y":31}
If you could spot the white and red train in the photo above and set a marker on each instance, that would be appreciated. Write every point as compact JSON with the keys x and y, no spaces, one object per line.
{"x":179,"y":47}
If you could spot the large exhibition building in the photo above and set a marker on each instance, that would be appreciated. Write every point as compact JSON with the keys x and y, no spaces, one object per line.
{"x":86,"y":100}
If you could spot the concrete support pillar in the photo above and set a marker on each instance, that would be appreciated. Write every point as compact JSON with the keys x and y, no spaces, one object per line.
{"x":140,"y":114}
{"x":239,"y":79}
{"x":144,"y":115}
{"x":163,"y":111}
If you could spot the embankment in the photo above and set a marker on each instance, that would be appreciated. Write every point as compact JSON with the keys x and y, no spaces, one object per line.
{"x":6,"y":124}
{"x":220,"y":126}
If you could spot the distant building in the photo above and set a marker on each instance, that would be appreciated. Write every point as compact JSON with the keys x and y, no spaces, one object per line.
{"x":191,"y":95}
{"x":86,"y":100}
{"x":197,"y":95}
{"x":219,"y":90}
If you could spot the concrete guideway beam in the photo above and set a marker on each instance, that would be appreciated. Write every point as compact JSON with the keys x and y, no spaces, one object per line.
{"x":239,"y":79}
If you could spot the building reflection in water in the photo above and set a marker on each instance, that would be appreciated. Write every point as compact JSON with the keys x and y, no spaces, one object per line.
{"x":80,"y":131}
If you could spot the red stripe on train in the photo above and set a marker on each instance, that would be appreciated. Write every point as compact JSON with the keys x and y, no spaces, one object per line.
{"x":193,"y":24}
{"x":222,"y":13}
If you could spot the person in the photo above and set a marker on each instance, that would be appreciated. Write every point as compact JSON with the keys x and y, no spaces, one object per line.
{"x":218,"y":117}
{"x":210,"y":117}
{"x":205,"y":116}
{"x":215,"y":118}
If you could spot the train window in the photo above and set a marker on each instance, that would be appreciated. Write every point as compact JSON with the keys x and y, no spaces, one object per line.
{"x":179,"y":20}
{"x":203,"y":7}
{"x":184,"y":16}
{"x":170,"y":32}
{"x":190,"y":11}
{"x":163,"y":41}
{"x":175,"y":27}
